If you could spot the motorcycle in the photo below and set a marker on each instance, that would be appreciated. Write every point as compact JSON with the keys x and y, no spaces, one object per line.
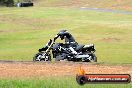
{"x":68,"y":52}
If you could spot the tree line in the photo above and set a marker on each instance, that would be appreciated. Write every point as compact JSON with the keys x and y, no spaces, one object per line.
{"x":10,"y":3}
{"x":7,"y":3}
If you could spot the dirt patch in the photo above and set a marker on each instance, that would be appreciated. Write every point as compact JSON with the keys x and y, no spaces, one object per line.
{"x":1,"y":31}
{"x":110,"y":39}
{"x":30,"y":69}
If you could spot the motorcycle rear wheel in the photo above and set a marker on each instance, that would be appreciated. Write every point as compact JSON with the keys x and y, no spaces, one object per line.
{"x":94,"y":58}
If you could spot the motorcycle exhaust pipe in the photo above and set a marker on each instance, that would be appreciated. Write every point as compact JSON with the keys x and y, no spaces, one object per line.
{"x":82,"y":56}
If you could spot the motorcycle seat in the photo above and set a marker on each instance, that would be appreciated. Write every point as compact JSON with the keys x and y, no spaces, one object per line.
{"x":79,"y":47}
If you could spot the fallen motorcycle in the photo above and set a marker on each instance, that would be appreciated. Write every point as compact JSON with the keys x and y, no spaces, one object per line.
{"x":60,"y":51}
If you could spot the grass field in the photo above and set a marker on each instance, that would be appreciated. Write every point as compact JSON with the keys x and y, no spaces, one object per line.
{"x":24,"y":30}
{"x":67,"y":82}
{"x":109,"y":4}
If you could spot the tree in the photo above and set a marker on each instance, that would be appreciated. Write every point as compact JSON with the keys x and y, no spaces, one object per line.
{"x":7,"y":3}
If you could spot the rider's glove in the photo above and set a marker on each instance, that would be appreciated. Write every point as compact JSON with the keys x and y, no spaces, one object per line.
{"x":40,"y":50}
{"x":55,"y":37}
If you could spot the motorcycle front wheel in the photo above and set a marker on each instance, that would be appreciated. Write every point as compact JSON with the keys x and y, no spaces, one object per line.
{"x":42,"y":56}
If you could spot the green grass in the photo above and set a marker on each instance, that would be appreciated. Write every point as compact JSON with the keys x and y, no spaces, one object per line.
{"x":24,"y":30}
{"x":66,"y":82}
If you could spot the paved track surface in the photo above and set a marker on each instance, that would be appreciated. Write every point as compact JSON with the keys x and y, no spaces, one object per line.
{"x":108,"y":10}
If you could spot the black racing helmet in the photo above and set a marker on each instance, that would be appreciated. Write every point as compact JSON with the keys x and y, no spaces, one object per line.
{"x":61,"y":33}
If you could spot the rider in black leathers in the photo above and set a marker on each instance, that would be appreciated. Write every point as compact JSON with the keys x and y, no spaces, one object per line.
{"x":69,"y":40}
